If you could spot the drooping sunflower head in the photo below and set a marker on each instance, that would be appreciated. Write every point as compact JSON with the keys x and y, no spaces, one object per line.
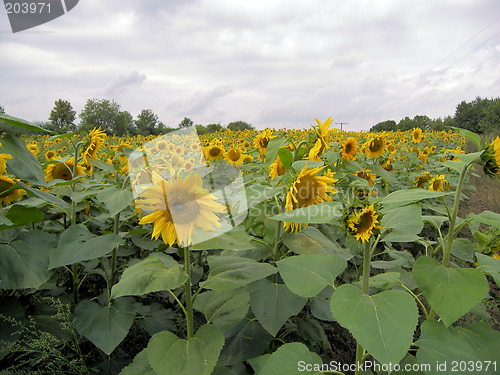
{"x":262,"y":140}
{"x":349,"y":149}
{"x":307,"y":189}
{"x":491,"y":159}
{"x":178,"y":206}
{"x":276,"y":168}
{"x":421,"y":180}
{"x":94,"y":143}
{"x":375,"y":147}
{"x":366,"y":175}
{"x":61,"y":171}
{"x":417,"y":135}
{"x":361,"y":222}
{"x":8,"y":197}
{"x":316,"y":150}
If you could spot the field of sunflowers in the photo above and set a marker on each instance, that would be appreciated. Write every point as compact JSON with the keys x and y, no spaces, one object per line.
{"x":271,"y":252}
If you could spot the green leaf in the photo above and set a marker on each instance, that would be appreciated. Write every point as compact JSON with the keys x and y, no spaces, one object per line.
{"x":286,"y":157}
{"x":47,"y":197}
{"x":115,"y":199}
{"x":300,"y":164}
{"x":406,"y":219}
{"x":23,"y":124}
{"x":224,"y":308}
{"x":462,"y":248}
{"x":23,"y":164}
{"x":139,"y":366}
{"x":382,"y":323}
{"x":227,"y":273}
{"x":403,"y":197}
{"x":19,"y":215}
{"x":489,"y":265}
{"x":155,"y":318}
{"x":272,"y":149}
{"x":476,"y":138}
{"x":246,"y":340}
{"x":170,"y":355}
{"x":235,"y":239}
{"x":106,"y":167}
{"x":437,"y":221}
{"x":307,"y":275}
{"x":317,"y":213}
{"x":292,"y":359}
{"x":470,"y":345}
{"x":272,"y":304}
{"x":398,"y":236}
{"x":77,"y":244}
{"x":487,"y":217}
{"x":105,"y":326}
{"x":311,"y":241}
{"x":24,"y":262}
{"x":382,"y":281}
{"x":149,"y":275}
{"x":451,"y":292}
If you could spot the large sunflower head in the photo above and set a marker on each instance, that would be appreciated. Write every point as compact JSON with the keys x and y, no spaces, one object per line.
{"x":61,"y":171}
{"x":421,"y":180}
{"x":262,"y":139}
{"x":361,"y":222}
{"x":437,"y":183}
{"x":349,"y":149}
{"x":307,"y":189}
{"x":8,"y":197}
{"x":375,"y":147}
{"x":33,"y":149}
{"x":417,"y":135}
{"x":94,"y":144}
{"x":214,"y":151}
{"x":178,"y":206}
{"x":491,"y":159}
{"x":234,"y":156}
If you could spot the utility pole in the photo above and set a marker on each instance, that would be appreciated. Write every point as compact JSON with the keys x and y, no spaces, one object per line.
{"x":341,"y":123}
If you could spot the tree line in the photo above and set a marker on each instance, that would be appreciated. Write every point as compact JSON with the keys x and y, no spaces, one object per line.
{"x":108,"y":115}
{"x":481,"y":115}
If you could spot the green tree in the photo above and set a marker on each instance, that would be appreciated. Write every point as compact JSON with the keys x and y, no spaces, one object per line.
{"x":62,"y":117}
{"x":2,"y":110}
{"x":387,"y":125}
{"x":212,"y":128}
{"x":186,"y":122}
{"x":422,"y":121}
{"x":99,"y":112}
{"x":406,"y":124}
{"x":200,"y":129}
{"x":490,"y":123}
{"x":468,"y":115}
{"x":147,"y":122}
{"x":124,"y":123}
{"x":239,"y":125}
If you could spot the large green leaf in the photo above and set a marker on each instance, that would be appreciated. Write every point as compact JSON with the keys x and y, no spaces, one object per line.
{"x":489,"y":265}
{"x":292,"y":359}
{"x":246,"y":340}
{"x":227,"y":273}
{"x":105,"y":326}
{"x":23,"y":124}
{"x":77,"y":244}
{"x":235,"y":239}
{"x":170,"y":355}
{"x":487,"y":217}
{"x":451,"y":292}
{"x":307,"y":275}
{"x":311,"y":241}
{"x":476,"y":138}
{"x":406,"y":219}
{"x":115,"y":199}
{"x":139,"y":366}
{"x":19,"y":215}
{"x":47,"y":197}
{"x":317,"y":213}
{"x":23,"y":164}
{"x":24,"y":261}
{"x":224,"y":308}
{"x":382,"y":323}
{"x":149,"y":275}
{"x":473,"y":346}
{"x":403,"y":197}
{"x":272,"y":149}
{"x":272,"y":304}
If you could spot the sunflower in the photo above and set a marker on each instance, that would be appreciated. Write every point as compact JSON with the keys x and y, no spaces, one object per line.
{"x":33,"y":149}
{"x":323,"y":131}
{"x":375,"y":147}
{"x":7,"y":198}
{"x":214,"y":151}
{"x":417,"y":136}
{"x":366,"y":175}
{"x":234,"y":156}
{"x":262,"y":139}
{"x":349,"y":149}
{"x":362,"y":222}
{"x":437,"y":183}
{"x":276,"y":168}
{"x":306,"y":190}
{"x":3,"y":163}
{"x":50,"y":155}
{"x":178,"y":205}
{"x":61,"y":171}
{"x":420,"y":181}
{"x":97,"y":137}
{"x":491,"y":159}
{"x":316,"y":151}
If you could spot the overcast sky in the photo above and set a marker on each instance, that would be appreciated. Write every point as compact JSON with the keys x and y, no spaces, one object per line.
{"x":272,"y":63}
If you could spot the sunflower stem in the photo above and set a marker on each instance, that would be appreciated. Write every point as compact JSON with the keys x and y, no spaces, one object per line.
{"x":296,"y":152}
{"x":187,"y":290}
{"x":367,"y":255}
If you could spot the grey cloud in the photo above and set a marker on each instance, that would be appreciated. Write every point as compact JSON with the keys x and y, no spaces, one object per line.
{"x":123,"y":83}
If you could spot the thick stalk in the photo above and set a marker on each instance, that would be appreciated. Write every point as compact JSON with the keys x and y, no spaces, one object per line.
{"x":74,"y":267}
{"x":112,"y":279}
{"x":367,"y":254}
{"x":187,"y":290}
